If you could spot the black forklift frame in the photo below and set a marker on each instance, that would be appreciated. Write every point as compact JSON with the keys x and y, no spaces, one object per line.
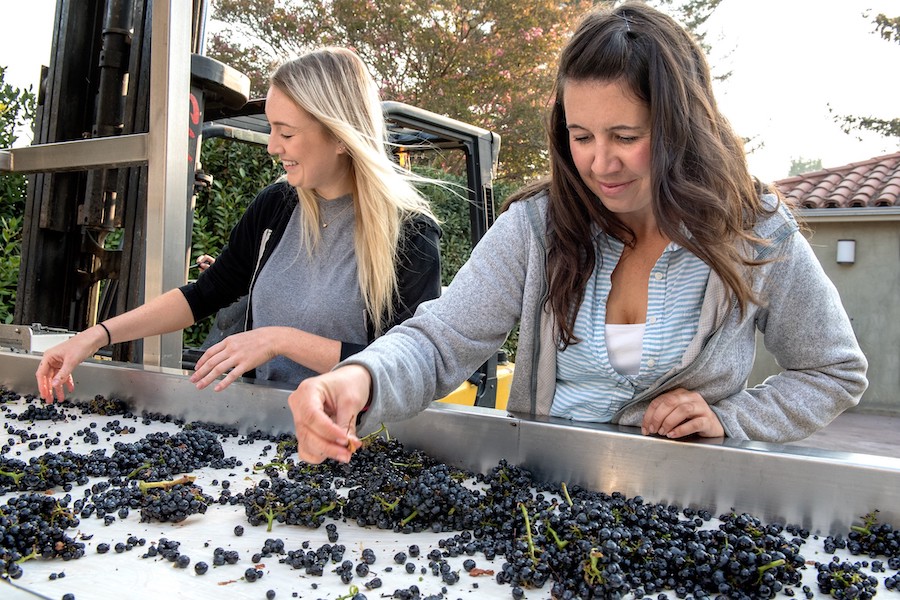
{"x":103,"y":160}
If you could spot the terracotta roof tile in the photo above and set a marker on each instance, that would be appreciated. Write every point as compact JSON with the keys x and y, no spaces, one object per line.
{"x":873,"y":182}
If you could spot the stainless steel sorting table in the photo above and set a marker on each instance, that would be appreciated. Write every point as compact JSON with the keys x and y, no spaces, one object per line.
{"x":822,"y":491}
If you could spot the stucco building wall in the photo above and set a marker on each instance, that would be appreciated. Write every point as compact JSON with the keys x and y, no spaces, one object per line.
{"x":870,"y":291}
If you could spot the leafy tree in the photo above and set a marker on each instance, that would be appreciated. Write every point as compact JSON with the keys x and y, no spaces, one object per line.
{"x":888,"y":27}
{"x":693,"y":14}
{"x":490,"y":65}
{"x":804,"y":165}
{"x":889,"y":30}
{"x":16,"y":110}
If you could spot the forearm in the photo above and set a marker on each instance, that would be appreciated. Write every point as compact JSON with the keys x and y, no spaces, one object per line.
{"x":168,"y":312}
{"x":823,"y":368}
{"x":312,"y":351}
{"x":164,"y":314}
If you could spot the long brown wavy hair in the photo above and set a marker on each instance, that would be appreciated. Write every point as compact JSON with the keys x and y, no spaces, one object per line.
{"x":699,"y":175}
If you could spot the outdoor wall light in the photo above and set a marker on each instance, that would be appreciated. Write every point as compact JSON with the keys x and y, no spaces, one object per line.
{"x":846,"y":252}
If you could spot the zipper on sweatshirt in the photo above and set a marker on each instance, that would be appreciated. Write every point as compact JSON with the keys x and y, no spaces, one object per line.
{"x":259,"y":259}
{"x":534,"y":219}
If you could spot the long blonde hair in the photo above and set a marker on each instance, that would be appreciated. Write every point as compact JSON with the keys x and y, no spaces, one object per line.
{"x":335,"y":88}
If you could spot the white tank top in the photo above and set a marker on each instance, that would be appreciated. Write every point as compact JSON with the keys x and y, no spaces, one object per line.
{"x":624,"y":343}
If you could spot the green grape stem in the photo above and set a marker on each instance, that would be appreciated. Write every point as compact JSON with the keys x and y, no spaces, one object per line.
{"x":405,"y":465}
{"x":325,"y":509}
{"x":14,"y":476}
{"x":559,"y":543}
{"x":847,"y":579}
{"x":137,"y":470}
{"x":531,"y":551}
{"x":59,"y":510}
{"x":592,"y":573}
{"x":276,"y":464}
{"x":388,"y":506}
{"x":353,"y":591}
{"x":869,"y":520}
{"x":185,"y":479}
{"x":375,"y":434}
{"x":414,"y":514}
{"x":565,"y":491}
{"x":269,"y":513}
{"x":34,"y":554}
{"x":772,"y":565}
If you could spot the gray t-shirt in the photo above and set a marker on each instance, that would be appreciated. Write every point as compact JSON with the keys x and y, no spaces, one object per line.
{"x":318,"y":293}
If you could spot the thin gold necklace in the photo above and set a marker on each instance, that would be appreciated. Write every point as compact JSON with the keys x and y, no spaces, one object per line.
{"x":325,"y":225}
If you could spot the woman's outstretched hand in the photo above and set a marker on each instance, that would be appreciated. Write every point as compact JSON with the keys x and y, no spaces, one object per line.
{"x":325,"y":409}
{"x":54,"y":373}
{"x":234,"y":356}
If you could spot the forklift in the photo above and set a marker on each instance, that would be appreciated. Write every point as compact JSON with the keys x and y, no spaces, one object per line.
{"x":115,"y":166}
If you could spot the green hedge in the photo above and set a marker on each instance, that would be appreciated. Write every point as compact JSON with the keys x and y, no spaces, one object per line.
{"x":16,"y":111}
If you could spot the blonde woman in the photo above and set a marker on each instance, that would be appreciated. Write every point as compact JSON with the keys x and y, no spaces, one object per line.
{"x":332,"y":255}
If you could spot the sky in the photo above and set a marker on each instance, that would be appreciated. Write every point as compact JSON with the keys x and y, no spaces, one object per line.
{"x":790,"y":61}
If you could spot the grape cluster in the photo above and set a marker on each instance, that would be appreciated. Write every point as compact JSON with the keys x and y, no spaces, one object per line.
{"x":845,"y":580}
{"x":271,"y":547}
{"x":221,"y":556}
{"x":43,"y":472}
{"x":32,"y":526}
{"x":379,"y":455}
{"x":873,"y":538}
{"x":106,"y":499}
{"x":438,"y":500}
{"x":167,"y":549}
{"x":8,"y":395}
{"x":156,"y":457}
{"x":173,"y":504}
{"x":284,"y":501}
{"x":160,"y":456}
{"x":101,"y":405}
{"x":39,"y":411}
{"x":407,"y":493}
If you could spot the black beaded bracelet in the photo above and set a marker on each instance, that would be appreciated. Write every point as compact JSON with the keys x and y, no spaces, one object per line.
{"x":108,"y":336}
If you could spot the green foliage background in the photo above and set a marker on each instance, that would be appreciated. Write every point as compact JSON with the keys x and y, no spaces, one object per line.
{"x":16,"y":110}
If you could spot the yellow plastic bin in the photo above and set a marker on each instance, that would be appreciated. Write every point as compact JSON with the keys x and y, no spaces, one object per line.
{"x":465,"y":393}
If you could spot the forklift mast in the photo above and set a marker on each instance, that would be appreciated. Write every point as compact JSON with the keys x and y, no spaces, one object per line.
{"x":116,"y":155}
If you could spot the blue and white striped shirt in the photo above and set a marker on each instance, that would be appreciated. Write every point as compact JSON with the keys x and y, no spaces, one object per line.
{"x":588,"y":388}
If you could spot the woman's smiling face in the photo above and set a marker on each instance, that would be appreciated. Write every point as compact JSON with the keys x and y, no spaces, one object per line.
{"x":609,"y":138}
{"x":312,"y":158}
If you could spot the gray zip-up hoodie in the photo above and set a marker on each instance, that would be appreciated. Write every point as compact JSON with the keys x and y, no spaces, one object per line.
{"x":504,"y":282}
